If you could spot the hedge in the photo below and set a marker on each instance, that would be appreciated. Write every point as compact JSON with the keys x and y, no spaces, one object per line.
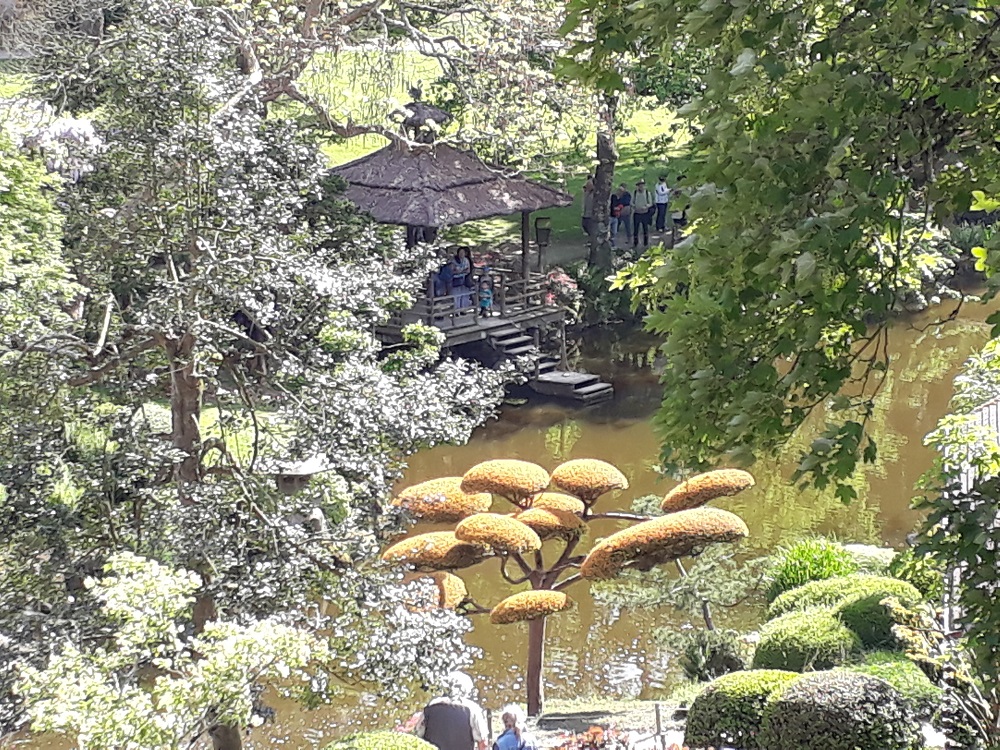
{"x":839,"y":711}
{"x":900,"y":672}
{"x":800,"y":641}
{"x":833,"y":591}
{"x":728,"y":712}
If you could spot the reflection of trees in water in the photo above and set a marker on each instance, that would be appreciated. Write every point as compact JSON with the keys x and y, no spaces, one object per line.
{"x":560,"y":439}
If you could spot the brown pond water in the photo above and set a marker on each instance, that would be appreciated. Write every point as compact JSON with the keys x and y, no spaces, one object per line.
{"x":596,"y":651}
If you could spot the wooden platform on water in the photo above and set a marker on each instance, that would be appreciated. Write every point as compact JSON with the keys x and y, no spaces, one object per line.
{"x":520,"y":306}
{"x":578,"y":386}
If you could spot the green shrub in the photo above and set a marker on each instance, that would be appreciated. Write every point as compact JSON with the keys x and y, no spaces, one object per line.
{"x":381,"y":741}
{"x":896,"y":669}
{"x":808,"y":560}
{"x":922,"y":572}
{"x":729,"y":711}
{"x":839,"y":711}
{"x":871,"y":619}
{"x":800,"y":641}
{"x":834,"y":591}
{"x":871,"y":559}
{"x":707,"y":654}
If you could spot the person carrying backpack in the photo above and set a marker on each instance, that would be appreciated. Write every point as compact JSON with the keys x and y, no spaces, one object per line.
{"x":642,"y":211}
{"x":515,"y":734}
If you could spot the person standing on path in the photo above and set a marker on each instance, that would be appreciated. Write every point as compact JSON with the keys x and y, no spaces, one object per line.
{"x":454,"y":721}
{"x":662,"y":203}
{"x":587,"y":220}
{"x":621,"y":214}
{"x":642,"y":211}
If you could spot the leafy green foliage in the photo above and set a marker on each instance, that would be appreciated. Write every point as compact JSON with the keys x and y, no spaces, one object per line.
{"x":805,"y":561}
{"x":805,"y":640}
{"x":960,"y":534}
{"x":899,"y":671}
{"x":839,"y":711}
{"x":34,"y":280}
{"x":673,"y":77}
{"x":222,"y":272}
{"x":872,"y":620}
{"x":100,"y":693}
{"x":834,"y":591}
{"x":819,"y":128}
{"x":729,"y":712}
{"x":380,"y":741}
{"x":704,"y":655}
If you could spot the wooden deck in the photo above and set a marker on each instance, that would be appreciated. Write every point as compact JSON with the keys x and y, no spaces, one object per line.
{"x":519,"y":309}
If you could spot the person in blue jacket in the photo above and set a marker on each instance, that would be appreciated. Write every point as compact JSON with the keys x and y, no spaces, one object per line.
{"x":515,"y":734}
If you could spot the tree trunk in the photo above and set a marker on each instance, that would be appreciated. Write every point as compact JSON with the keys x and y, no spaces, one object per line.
{"x":536,"y":657}
{"x":185,"y":411}
{"x":607,"y":158}
{"x":226,"y":738}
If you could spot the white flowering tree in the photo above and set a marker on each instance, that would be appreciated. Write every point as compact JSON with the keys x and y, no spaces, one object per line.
{"x":210,"y":393}
{"x":195,"y":682}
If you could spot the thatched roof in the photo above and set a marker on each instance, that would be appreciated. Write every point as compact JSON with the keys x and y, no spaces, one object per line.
{"x":439,"y":185}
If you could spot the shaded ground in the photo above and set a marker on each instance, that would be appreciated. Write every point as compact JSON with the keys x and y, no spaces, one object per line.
{"x":637,"y":717}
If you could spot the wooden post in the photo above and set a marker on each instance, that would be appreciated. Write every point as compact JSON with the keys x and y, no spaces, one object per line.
{"x":660,"y":741}
{"x":430,"y":299}
{"x":562,"y":346}
{"x":537,"y":343}
{"x":503,"y":295}
{"x":525,"y":242}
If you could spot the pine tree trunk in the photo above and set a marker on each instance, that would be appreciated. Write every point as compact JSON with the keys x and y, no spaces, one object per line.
{"x":607,"y":159}
{"x":536,"y":657}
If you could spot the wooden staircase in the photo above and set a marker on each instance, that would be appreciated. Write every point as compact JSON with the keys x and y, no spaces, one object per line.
{"x":511,"y":341}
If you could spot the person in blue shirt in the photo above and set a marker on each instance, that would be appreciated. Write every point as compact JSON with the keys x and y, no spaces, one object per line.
{"x":515,"y":734}
{"x":485,"y":298}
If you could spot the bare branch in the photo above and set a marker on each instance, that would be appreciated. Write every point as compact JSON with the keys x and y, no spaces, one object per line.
{"x":617,"y":516}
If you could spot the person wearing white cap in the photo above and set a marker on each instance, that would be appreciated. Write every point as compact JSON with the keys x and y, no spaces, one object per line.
{"x":454,"y":721}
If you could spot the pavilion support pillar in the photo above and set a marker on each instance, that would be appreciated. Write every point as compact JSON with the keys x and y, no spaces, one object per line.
{"x":525,"y":242}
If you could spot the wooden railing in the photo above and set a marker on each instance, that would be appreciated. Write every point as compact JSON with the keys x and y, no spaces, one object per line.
{"x":512,"y":294}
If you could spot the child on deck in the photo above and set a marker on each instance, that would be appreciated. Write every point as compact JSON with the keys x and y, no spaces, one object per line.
{"x":485,"y":298}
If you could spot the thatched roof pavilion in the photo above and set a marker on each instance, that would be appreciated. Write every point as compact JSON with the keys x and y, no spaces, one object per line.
{"x":438,"y":186}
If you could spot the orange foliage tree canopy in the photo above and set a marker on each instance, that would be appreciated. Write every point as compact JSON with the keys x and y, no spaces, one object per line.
{"x":543,"y":517}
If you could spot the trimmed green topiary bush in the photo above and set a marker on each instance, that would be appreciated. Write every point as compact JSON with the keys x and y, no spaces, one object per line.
{"x":381,"y":741}
{"x":909,"y":679}
{"x":833,"y":591}
{"x":808,"y":560}
{"x":729,"y":711}
{"x":839,"y":711}
{"x":800,"y":641}
{"x":921,"y":571}
{"x":871,"y":559}
{"x":870,"y":619}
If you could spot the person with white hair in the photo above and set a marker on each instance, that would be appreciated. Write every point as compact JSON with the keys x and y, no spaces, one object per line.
{"x":515,"y":732}
{"x":454,"y":721}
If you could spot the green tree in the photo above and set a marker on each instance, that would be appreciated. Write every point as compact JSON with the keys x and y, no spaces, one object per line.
{"x":221,"y":403}
{"x":831,"y":136}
